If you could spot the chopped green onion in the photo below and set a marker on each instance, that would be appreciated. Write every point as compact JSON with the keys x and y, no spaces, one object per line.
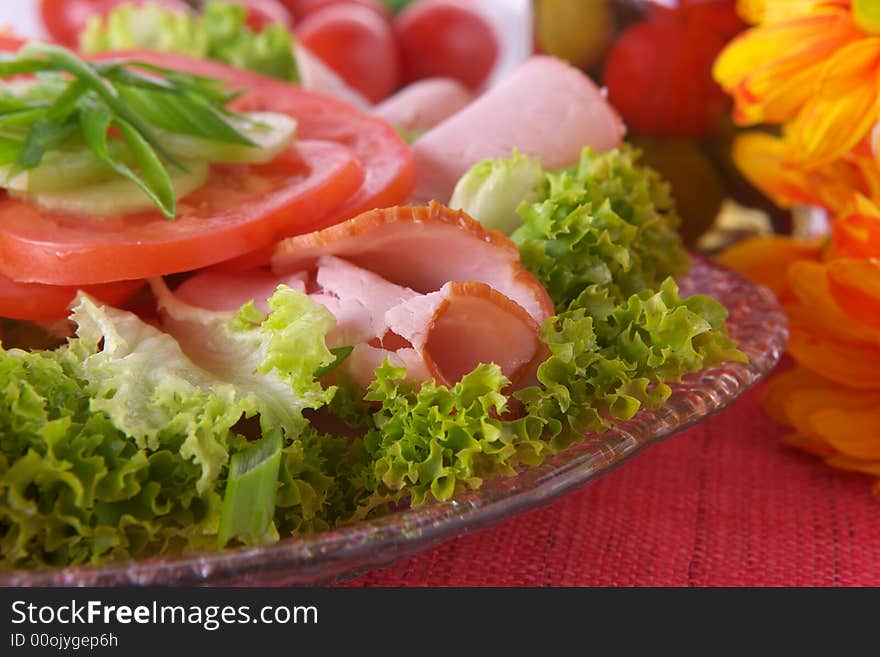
{"x":73,"y":105}
{"x":249,"y":499}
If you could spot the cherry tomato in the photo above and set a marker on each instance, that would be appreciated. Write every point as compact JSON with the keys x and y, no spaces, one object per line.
{"x":342,"y":161}
{"x":719,"y":16}
{"x":65,"y":19}
{"x":42,"y":303}
{"x":302,"y":8}
{"x":446,"y":38}
{"x":356,"y":43}
{"x":264,"y":12}
{"x":659,"y":77}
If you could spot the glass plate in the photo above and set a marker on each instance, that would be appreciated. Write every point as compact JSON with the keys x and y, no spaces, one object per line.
{"x":756,"y":322}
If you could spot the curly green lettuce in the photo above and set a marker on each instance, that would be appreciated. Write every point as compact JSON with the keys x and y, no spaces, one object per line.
{"x":219,"y":32}
{"x":607,"y":221}
{"x":118,"y":445}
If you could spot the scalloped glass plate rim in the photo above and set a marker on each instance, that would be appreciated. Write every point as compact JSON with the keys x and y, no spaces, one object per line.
{"x":756,"y":322}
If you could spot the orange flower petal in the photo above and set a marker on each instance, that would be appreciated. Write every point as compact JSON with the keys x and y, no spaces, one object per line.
{"x":851,"y":363}
{"x":766,"y":259}
{"x":770,"y":69}
{"x":843,"y":462}
{"x":854,"y":433}
{"x":857,"y":236}
{"x":855,"y":285}
{"x":761,"y":159}
{"x":769,"y":11}
{"x":843,"y":107}
{"x":818,"y":307}
{"x":812,"y":445}
{"x":782,"y":386}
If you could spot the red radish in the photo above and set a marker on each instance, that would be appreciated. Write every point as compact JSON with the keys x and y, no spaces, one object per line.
{"x":446,"y":38}
{"x":65,"y":19}
{"x":356,"y":43}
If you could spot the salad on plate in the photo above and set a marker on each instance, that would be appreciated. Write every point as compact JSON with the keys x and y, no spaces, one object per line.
{"x":237,"y":308}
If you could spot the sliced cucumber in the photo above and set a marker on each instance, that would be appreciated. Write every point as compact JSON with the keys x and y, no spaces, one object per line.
{"x":64,"y":170}
{"x":117,"y":196}
{"x":272,"y":133}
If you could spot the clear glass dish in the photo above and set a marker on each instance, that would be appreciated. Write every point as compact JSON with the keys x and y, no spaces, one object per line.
{"x":756,"y":322}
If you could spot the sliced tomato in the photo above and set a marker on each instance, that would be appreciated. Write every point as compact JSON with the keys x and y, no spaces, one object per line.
{"x":241,"y":208}
{"x":348,"y":162}
{"x":65,"y":19}
{"x":43,"y":303}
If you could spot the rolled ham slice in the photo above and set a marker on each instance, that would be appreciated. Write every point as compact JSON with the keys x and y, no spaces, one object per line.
{"x":465,"y":324}
{"x":421,"y":105}
{"x":421,"y":248}
{"x":427,"y":288}
{"x":546,"y":108}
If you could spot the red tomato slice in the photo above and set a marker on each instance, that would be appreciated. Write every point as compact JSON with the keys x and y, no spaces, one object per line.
{"x":446,"y":38}
{"x":357,"y":44}
{"x":241,"y":208}
{"x":43,"y":303}
{"x":367,"y":165}
{"x":65,"y":19}
{"x":389,"y":171}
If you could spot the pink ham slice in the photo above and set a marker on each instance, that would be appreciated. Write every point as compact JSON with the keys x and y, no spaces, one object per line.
{"x":427,"y":288}
{"x":423,"y":104}
{"x":546,"y":108}
{"x":214,"y":290}
{"x":421,"y":248}
{"x":465,"y":324}
{"x":357,"y":298}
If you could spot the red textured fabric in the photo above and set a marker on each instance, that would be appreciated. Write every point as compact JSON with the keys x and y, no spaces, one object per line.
{"x":724,"y":504}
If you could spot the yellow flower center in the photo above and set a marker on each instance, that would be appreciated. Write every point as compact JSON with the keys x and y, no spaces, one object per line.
{"x":867,"y":15}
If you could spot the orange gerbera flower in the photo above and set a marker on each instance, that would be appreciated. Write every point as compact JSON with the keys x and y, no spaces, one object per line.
{"x":762,"y":159}
{"x":832,"y":297}
{"x":813,"y":64}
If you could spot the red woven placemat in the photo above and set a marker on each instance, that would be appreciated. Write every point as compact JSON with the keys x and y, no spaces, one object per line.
{"x":723,"y":504}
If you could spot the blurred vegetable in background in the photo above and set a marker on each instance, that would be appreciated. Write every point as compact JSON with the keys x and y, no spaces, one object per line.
{"x":577,"y":30}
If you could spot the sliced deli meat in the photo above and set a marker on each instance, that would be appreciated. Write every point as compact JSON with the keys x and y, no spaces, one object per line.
{"x":465,"y":324}
{"x":422,"y":105}
{"x":546,"y":108}
{"x":427,"y":288}
{"x":422,"y":248}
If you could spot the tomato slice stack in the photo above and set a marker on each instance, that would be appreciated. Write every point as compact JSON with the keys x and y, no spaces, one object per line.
{"x":342,"y":163}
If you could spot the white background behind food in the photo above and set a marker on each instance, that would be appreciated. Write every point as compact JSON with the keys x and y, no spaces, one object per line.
{"x":512,"y":18}
{"x":21,"y":16}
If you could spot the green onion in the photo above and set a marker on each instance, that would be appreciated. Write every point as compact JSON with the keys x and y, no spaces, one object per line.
{"x":249,"y":499}
{"x":74,"y":104}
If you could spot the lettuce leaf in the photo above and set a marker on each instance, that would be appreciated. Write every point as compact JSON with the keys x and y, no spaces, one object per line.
{"x":219,"y":32}
{"x":431,"y":442}
{"x":492,"y":190}
{"x":118,"y":444}
{"x":608,"y":221}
